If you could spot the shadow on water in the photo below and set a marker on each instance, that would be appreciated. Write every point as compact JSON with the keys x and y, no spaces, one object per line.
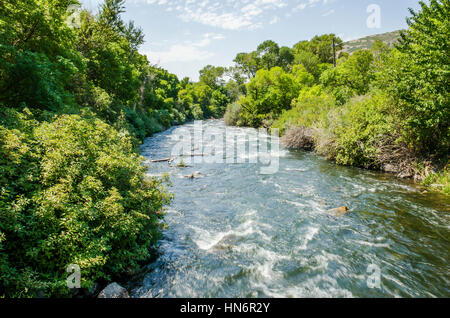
{"x":237,"y":233}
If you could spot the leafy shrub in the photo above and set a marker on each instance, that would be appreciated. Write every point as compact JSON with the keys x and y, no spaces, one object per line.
{"x":197,"y":112}
{"x":177,"y":117}
{"x":31,"y":78}
{"x":351,"y":77}
{"x":439,"y":180}
{"x":310,"y":110}
{"x":232,"y":114}
{"x":73,"y":191}
{"x":363,"y":127}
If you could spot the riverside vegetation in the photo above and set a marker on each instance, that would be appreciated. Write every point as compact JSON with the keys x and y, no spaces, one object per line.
{"x":76,"y":102}
{"x":380,"y":108}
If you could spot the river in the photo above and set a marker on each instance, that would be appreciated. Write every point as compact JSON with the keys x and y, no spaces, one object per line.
{"x":234,"y":232}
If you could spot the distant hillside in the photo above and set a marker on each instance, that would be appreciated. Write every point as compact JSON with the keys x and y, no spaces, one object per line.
{"x":389,"y":38}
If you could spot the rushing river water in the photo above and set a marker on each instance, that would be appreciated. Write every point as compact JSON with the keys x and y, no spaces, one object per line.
{"x":235,"y":232}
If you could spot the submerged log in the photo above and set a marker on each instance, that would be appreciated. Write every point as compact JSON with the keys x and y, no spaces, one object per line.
{"x":195,"y":155}
{"x":172,"y":158}
{"x":162,"y":160}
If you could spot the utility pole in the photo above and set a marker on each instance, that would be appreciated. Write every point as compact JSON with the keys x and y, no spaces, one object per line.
{"x":334,"y":53}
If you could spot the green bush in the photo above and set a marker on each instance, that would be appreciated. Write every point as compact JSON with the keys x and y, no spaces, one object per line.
{"x":439,"y":180}
{"x":351,"y":77}
{"x":353,"y":134}
{"x":269,"y":93}
{"x":197,"y":112}
{"x":31,"y":78}
{"x":310,"y":110}
{"x":418,"y":77}
{"x":232,"y":114}
{"x":72,"y":191}
{"x":364,"y":125}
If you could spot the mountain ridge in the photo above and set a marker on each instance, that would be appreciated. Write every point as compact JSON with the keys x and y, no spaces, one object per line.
{"x":389,"y":38}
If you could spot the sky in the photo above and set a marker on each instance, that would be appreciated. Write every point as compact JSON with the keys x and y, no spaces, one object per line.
{"x":183,"y":36}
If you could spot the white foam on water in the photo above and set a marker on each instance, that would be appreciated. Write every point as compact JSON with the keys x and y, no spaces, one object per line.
{"x":323,"y":272}
{"x":297,"y":169}
{"x":276,"y":185}
{"x":154,"y":175}
{"x":264,"y":261}
{"x":370,"y":243}
{"x":396,"y":281}
{"x":316,"y":205}
{"x":297,"y":204}
{"x":265,"y":268}
{"x":206,"y":240}
{"x":171,"y":211}
{"x":322,"y":260}
{"x":321,"y":285}
{"x":250,"y":212}
{"x":308,"y":288}
{"x":307,"y":206}
{"x":310,"y":233}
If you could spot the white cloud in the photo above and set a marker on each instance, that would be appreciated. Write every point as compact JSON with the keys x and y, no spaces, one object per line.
{"x":224,"y":14}
{"x":179,"y":53}
{"x":274,"y":20}
{"x":311,"y":3}
{"x":232,"y":14}
{"x":330,"y":12}
{"x":187,"y":51}
{"x":227,"y":14}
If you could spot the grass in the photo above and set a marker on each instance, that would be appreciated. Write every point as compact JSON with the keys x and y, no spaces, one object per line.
{"x":439,"y":181}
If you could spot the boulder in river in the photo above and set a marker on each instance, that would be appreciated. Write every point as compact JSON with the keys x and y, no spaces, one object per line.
{"x":195,"y":175}
{"x":226,"y":243}
{"x":114,"y":290}
{"x":343,"y":210}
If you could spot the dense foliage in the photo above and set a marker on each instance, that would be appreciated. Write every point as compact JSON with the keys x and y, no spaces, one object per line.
{"x":379,"y":108}
{"x":73,"y":192}
{"x":75,"y":101}
{"x":421,"y":71}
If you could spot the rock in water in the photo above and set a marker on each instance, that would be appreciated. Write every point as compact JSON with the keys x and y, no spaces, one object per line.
{"x":114,"y":290}
{"x":339,"y":211}
{"x":195,"y":175}
{"x":226,"y":243}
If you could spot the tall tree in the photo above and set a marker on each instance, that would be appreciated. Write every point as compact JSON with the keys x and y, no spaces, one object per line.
{"x":286,"y":57}
{"x":247,"y":63}
{"x":269,"y":53}
{"x":321,"y":45}
{"x":422,"y":75}
{"x":110,"y":12}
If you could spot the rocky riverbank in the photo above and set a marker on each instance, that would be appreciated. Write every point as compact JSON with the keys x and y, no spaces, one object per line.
{"x":430,"y":172}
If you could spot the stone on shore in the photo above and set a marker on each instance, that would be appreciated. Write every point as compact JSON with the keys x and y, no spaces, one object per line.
{"x":114,"y":290}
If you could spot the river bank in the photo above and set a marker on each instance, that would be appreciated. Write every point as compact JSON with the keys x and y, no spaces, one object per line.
{"x":431,"y":173}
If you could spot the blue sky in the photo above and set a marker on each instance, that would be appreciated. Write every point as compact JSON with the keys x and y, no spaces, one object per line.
{"x":183,"y":36}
